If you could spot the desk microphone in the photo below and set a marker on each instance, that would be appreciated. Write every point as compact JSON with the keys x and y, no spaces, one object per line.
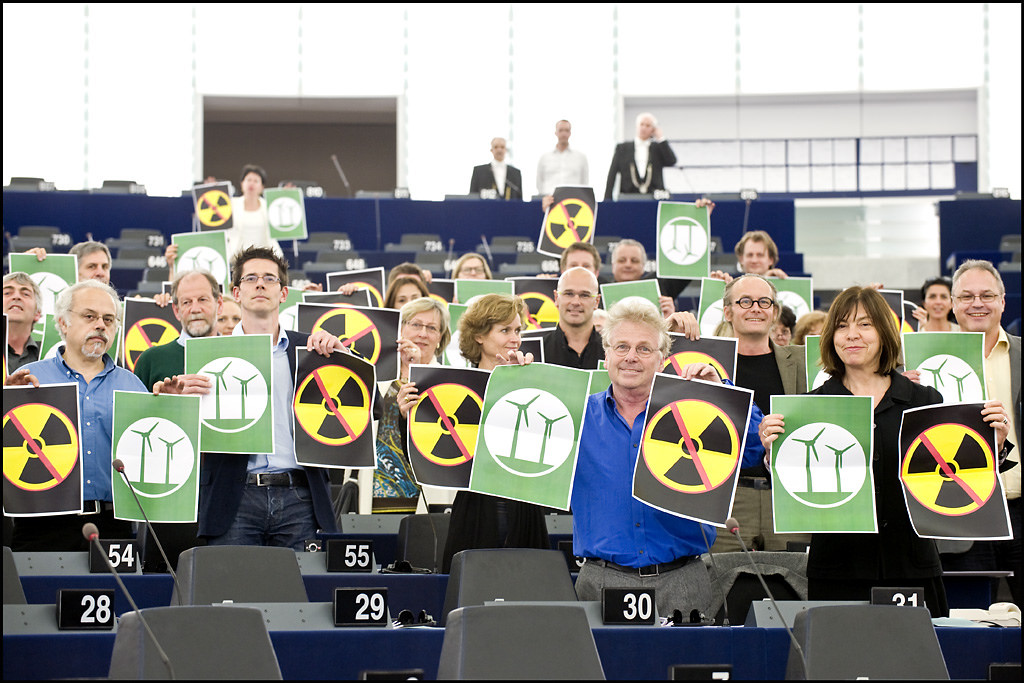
{"x":734,"y":528}
{"x":487,"y":249}
{"x":718,"y":579}
{"x":118,"y":465}
{"x":92,"y":534}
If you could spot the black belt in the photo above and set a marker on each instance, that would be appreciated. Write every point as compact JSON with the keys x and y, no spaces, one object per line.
{"x":649,"y":570}
{"x":95,"y":507}
{"x":758,"y":483}
{"x":289,"y":478}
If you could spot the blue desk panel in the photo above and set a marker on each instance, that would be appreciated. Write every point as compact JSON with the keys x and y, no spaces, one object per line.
{"x":639,"y":653}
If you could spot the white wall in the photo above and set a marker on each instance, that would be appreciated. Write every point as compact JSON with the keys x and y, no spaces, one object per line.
{"x":99,"y":91}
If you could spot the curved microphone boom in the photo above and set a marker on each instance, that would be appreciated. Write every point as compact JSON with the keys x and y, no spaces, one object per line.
{"x":118,"y":465}
{"x":734,"y":528}
{"x":92,"y":534}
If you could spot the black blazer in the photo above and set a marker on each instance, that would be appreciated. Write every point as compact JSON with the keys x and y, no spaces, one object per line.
{"x":896,"y":552}
{"x":222,"y":479}
{"x":483,"y":179}
{"x":624,"y":164}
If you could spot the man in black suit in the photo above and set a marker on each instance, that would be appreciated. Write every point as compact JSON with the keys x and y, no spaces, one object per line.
{"x":640,"y":162}
{"x":503,"y":178}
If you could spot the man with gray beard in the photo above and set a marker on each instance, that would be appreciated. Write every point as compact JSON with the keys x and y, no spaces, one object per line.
{"x":88,"y":315}
{"x":196,"y":301}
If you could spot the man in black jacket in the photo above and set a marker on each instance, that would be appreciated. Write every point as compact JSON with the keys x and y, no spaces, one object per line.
{"x":640,"y":162}
{"x":502,"y":177}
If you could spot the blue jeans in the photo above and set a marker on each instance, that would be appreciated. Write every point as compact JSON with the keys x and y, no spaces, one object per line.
{"x":279,"y":516}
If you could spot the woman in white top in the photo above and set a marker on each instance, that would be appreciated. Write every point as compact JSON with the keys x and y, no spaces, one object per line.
{"x":250,"y":226}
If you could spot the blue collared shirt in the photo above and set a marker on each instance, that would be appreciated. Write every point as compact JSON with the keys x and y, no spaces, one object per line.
{"x":282,"y":390}
{"x":96,"y":415}
{"x":608,"y":523}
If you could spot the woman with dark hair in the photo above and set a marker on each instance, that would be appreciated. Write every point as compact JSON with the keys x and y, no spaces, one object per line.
{"x":860,"y":349}
{"x":935,"y":314}
{"x":250,"y":225}
{"x":489,"y":336}
{"x":404,"y":289}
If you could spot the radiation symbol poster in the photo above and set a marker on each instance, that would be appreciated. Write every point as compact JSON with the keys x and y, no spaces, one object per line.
{"x":370,"y":333}
{"x":949,"y":473}
{"x":572,"y":217}
{"x":692,"y":448}
{"x":333,"y":410}
{"x":145,"y":325}
{"x":952,"y":363}
{"x":709,"y":309}
{"x":683,"y":234}
{"x":822,"y":480}
{"x":816,"y":376}
{"x":370,"y":279}
{"x":286,"y":213}
{"x":894,"y":297}
{"x":442,"y":289}
{"x":614,"y":292}
{"x":157,"y":439}
{"x":529,"y":433}
{"x":42,"y":444}
{"x":53,"y":274}
{"x":212,"y":204}
{"x":204,"y":251}
{"x":443,"y":424}
{"x":237,"y":414}
{"x":538,"y":293}
{"x":718,"y":352}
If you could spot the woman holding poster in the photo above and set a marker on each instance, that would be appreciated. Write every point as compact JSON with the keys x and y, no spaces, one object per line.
{"x":424,"y":332}
{"x":489,"y":336}
{"x":860,"y":348}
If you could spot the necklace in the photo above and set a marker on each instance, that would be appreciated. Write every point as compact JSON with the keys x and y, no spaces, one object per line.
{"x":636,"y":181}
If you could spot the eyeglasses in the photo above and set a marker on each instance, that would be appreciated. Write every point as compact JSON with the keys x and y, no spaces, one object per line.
{"x":418,"y":327}
{"x":471,"y":270}
{"x":746,"y":302}
{"x":91,"y":318}
{"x":642,"y":350}
{"x":583,"y":296}
{"x":986,"y":297}
{"x":267,"y":279}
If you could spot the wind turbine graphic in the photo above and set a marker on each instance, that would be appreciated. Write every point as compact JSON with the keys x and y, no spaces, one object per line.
{"x":960,"y":385}
{"x":146,"y":444}
{"x":245,"y":384}
{"x":936,"y":371}
{"x":689,"y":242}
{"x":839,"y":462}
{"x":522,"y":417}
{"x":217,"y":385}
{"x":548,"y":423}
{"x":170,"y":450}
{"x":811,"y":449}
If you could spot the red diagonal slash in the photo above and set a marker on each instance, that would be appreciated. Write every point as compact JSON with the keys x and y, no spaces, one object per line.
{"x":213,"y":207}
{"x":675,"y":364}
{"x":332,"y":404}
{"x":34,"y":447}
{"x":356,"y":337}
{"x":948,"y":471}
{"x":569,"y":225}
{"x":145,"y":337}
{"x":447,"y":422}
{"x":690,"y":446}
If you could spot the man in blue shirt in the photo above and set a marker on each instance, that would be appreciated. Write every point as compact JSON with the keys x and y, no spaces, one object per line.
{"x":626,"y":543}
{"x":88,"y":314}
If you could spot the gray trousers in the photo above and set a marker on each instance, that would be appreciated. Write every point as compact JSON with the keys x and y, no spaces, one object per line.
{"x":683,"y":589}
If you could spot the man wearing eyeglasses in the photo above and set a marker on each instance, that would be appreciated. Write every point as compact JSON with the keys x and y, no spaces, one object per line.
{"x":750,"y":304}
{"x":264,"y":498}
{"x":979,"y":298}
{"x":574,"y":343}
{"x":627,"y":543}
{"x":87,"y":315}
